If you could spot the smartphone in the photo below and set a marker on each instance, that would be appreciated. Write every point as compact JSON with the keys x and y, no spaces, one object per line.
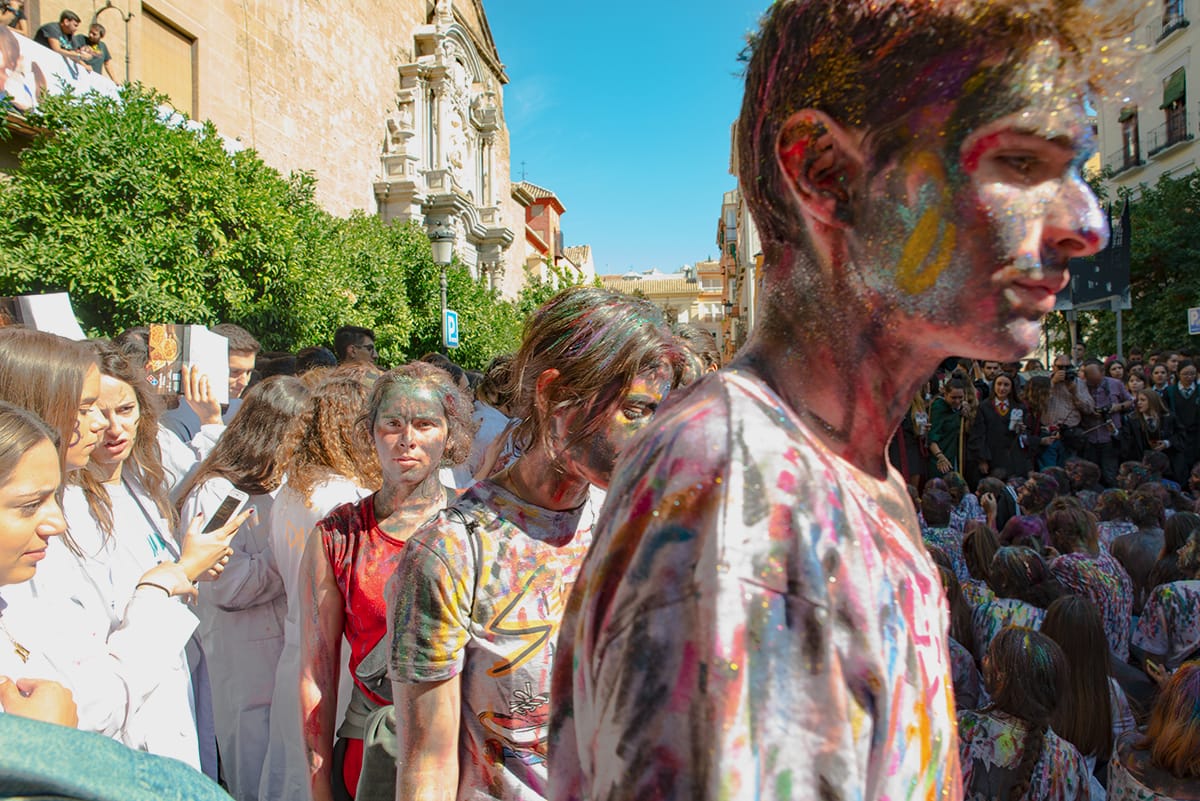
{"x":233,"y":503}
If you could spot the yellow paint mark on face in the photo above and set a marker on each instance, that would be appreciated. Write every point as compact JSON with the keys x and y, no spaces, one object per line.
{"x":926,"y":255}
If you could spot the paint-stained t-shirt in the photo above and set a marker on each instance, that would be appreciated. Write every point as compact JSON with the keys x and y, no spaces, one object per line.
{"x":988,"y":618}
{"x":992,"y":745}
{"x":496,"y":628}
{"x":757,"y":619}
{"x":1169,"y":627}
{"x":1102,"y":579}
{"x":1132,"y":776}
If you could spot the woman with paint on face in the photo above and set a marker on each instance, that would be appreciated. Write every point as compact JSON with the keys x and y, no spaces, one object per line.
{"x":241,"y":616}
{"x":122,"y":526}
{"x":418,"y":420}
{"x":1008,"y":750}
{"x":478,"y":596}
{"x":59,"y":623}
{"x":329,"y":466}
{"x":1164,"y":763}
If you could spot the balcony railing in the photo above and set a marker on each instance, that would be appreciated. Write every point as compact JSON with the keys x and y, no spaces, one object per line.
{"x":40,"y":66}
{"x":1173,"y":19}
{"x":1123,"y":160}
{"x":1172,"y":132}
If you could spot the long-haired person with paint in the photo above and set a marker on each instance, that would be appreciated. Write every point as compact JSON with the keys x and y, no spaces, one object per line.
{"x":1008,"y":750}
{"x":1164,"y":763}
{"x":417,"y":420}
{"x":478,"y":595}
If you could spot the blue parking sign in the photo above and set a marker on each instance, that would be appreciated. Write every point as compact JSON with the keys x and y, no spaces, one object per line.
{"x":450,"y":329}
{"x":1194,"y":320}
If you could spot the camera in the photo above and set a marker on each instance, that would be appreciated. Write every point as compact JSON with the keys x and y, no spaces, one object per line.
{"x":1070,"y":373}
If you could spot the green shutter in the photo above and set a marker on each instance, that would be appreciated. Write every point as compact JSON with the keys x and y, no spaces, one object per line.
{"x":1127,"y":114}
{"x":1174,"y":88}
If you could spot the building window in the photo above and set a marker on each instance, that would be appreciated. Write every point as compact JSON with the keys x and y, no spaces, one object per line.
{"x":1174,"y":106}
{"x":169,"y":62}
{"x":1174,"y":99}
{"x":1131,"y":151}
{"x":1173,"y":18}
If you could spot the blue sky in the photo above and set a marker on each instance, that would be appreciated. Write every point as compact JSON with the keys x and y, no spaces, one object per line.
{"x":624,"y":111}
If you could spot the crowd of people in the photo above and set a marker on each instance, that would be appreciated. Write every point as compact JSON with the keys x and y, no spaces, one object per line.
{"x":408,"y":536}
{"x":1074,"y":591}
{"x":596,"y":571}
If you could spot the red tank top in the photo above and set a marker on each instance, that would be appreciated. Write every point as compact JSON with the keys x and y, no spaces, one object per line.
{"x":363,"y":558}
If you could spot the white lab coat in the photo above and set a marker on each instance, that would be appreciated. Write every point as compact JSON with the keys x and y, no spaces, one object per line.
{"x":180,"y":458}
{"x":164,"y":721}
{"x":285,"y":774}
{"x":241,"y":631}
{"x":110,"y":675}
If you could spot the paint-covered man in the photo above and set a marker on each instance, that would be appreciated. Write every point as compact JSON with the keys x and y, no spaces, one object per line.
{"x":757,"y":617}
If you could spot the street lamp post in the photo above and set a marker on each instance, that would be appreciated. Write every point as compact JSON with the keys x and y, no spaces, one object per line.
{"x":441,"y":239}
{"x":125,"y":17}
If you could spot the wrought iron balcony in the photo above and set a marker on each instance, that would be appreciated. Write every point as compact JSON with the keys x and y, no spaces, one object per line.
{"x":1123,"y":160}
{"x":1172,"y":132}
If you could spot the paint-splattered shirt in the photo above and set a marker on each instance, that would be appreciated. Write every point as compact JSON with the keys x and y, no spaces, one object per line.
{"x":1133,"y":777}
{"x":996,"y":613}
{"x":502,"y":642}
{"x":1102,"y":579}
{"x":1109,"y":530}
{"x":757,"y":618}
{"x":976,"y":593}
{"x":992,"y":744}
{"x":949,"y":540}
{"x":1169,"y":627}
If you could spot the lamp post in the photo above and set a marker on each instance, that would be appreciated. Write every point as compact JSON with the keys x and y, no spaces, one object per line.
{"x":441,"y":239}
{"x":125,"y":17}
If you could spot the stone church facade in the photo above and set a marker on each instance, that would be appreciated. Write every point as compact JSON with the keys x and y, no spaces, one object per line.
{"x":396,"y":107}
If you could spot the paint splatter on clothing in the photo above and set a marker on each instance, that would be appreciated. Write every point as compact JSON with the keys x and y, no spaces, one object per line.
{"x":1132,"y":777}
{"x":1109,"y":530}
{"x":991,"y":745}
{"x":362,"y":557}
{"x":968,"y":685}
{"x":495,"y":628}
{"x":968,"y":509}
{"x":976,"y":593}
{"x":757,"y":616}
{"x":949,"y":539}
{"x":997,"y":613}
{"x":1169,"y":627}
{"x":1102,"y":579}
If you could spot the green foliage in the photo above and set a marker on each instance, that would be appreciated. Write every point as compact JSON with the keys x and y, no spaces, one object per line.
{"x":1165,"y":279}
{"x":143,"y":222}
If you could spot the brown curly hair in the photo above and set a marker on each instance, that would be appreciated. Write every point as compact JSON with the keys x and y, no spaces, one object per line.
{"x":322,"y":444}
{"x":457,"y":404}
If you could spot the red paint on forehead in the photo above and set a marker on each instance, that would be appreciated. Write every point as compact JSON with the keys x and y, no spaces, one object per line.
{"x":970,"y":159}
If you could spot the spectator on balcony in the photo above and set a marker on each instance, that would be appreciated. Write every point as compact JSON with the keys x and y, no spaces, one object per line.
{"x":12,"y":14}
{"x":94,"y":50}
{"x":59,"y":37}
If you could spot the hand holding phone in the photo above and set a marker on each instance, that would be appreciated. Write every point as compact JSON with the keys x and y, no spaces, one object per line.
{"x":204,"y":547}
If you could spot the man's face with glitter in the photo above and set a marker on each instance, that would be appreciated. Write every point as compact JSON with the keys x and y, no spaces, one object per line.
{"x":969,"y":234}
